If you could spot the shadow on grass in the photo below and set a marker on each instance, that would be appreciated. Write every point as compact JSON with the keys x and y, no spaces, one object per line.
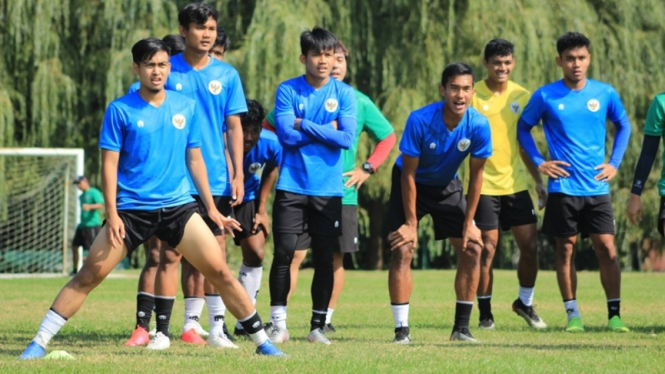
{"x":550,"y":347}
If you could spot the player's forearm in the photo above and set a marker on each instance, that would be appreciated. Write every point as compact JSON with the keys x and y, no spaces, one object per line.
{"x":382,"y":151}
{"x":409,"y":195}
{"x":198,"y":172}
{"x":110,"y":180}
{"x":235,"y":145}
{"x":527,"y":143}
{"x":645,"y":163}
{"x":267,"y":181}
{"x":621,"y":139}
{"x":288,"y":136}
{"x":476,"y":167}
{"x":533,"y":169}
{"x":342,"y":137}
{"x":96,"y":206}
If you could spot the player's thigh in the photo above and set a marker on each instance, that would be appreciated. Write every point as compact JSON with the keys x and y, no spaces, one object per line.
{"x":253,"y":249}
{"x":563,"y":215}
{"x":290,"y":213}
{"x":223,"y":205}
{"x":199,"y":246}
{"x":487,"y":212}
{"x":447,"y":208}
{"x":244,"y":214}
{"x":103,"y":256}
{"x":517,"y":210}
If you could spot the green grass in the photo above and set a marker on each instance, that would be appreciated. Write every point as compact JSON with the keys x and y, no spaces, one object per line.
{"x":365,"y":328}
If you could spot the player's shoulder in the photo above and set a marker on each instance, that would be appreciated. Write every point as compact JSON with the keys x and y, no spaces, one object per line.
{"x":127,"y":102}
{"x":361,"y":98}
{"x":294,"y":83}
{"x":269,"y":137}
{"x":218,"y":67}
{"x":516,"y":90}
{"x":426,"y":116}
{"x":178,"y":64}
{"x":660,"y":98}
{"x":475,"y":118}
{"x":600,"y":87}
{"x":178,"y":100}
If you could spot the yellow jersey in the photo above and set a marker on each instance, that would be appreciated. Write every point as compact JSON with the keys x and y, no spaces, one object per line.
{"x":505,"y":172}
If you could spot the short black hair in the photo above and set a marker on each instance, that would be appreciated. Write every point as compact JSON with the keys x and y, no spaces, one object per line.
{"x":175,"y":42}
{"x":571,"y":40}
{"x":498,"y":47}
{"x":144,"y":49}
{"x":455,"y":69}
{"x":254,"y":115}
{"x":222,"y":39}
{"x":318,"y":39}
{"x":198,"y":13}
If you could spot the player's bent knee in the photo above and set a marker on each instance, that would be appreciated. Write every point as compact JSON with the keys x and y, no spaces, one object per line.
{"x":402,"y":256}
{"x":87,"y":278}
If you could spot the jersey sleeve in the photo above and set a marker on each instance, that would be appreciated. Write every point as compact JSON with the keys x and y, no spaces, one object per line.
{"x":533,"y":112}
{"x":194,"y":136}
{"x":275,"y":158}
{"x":481,"y":146}
{"x":412,"y":137}
{"x":113,"y":129}
{"x":285,"y":117}
{"x":97,"y":196}
{"x":616,"y":112}
{"x":376,"y":125}
{"x":348,"y":106}
{"x":655,"y":117}
{"x":235,"y":102}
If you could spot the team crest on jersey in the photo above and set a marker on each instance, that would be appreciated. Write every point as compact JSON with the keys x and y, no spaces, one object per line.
{"x":254,"y":167}
{"x":432,"y":145}
{"x":561,"y":106}
{"x":215,"y":87}
{"x":301,"y":106}
{"x":463,"y":144}
{"x":178,"y":121}
{"x":593,"y":105}
{"x":178,"y":86}
{"x":515,"y":107}
{"x":140,"y":124}
{"x":331,"y":105}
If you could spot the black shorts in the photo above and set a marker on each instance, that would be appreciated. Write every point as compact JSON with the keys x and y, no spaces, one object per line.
{"x":84,"y":236}
{"x":168,"y":224}
{"x":661,"y":215}
{"x":446,"y":205}
{"x":244,"y":214}
{"x":296,"y":214}
{"x":223,"y":204}
{"x":348,"y":242}
{"x":505,"y":211}
{"x":567,"y":216}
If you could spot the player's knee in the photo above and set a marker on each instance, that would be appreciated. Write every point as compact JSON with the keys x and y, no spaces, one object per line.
{"x":402,"y":257}
{"x":605,"y":252}
{"x":473,"y":251}
{"x":87,"y":278}
{"x":254,"y":257}
{"x":169,"y":258}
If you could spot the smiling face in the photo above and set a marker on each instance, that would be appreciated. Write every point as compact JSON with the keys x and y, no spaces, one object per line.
{"x":499,"y":68}
{"x":574,"y":62}
{"x":318,"y":64}
{"x":153,"y":73}
{"x":458,"y":93}
{"x":200,"y":37}
{"x":251,"y":136}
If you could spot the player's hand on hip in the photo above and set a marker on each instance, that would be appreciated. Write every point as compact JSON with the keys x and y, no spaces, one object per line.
{"x":541,"y":191}
{"x":554,"y":169}
{"x":634,"y":209}
{"x":471,"y":233}
{"x":237,"y":192}
{"x":607,"y":172}
{"x":115,"y":230}
{"x":357,"y":177}
{"x":404,"y":235}
{"x":261,"y":220}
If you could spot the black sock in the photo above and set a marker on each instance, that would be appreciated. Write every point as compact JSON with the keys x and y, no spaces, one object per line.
{"x":323,"y":247}
{"x":318,"y":320}
{"x":462,"y":315}
{"x":252,"y":324}
{"x":485,"y":307}
{"x":613,"y":308}
{"x":163,"y":309}
{"x":280,"y":272}
{"x":144,"y":306}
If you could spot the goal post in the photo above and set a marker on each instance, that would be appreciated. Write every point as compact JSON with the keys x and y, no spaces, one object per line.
{"x":39,"y":208}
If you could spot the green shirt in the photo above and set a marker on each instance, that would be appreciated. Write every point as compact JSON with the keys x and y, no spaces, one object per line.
{"x":91,"y":218}
{"x":370,"y":119}
{"x":654,"y":127}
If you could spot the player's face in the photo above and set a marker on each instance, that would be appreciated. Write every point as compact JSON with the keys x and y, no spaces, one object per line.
{"x":218,"y":52}
{"x":499,"y":68}
{"x":153,"y":73}
{"x":574,"y":62}
{"x":319,"y":64}
{"x":200,"y":37}
{"x":458,"y":93}
{"x":339,"y":68}
{"x":250,"y":137}
{"x":83,"y":185}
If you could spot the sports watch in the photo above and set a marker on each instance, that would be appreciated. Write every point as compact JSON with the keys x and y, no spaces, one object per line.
{"x":368,"y":168}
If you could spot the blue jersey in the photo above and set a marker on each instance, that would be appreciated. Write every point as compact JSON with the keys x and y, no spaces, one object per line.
{"x":312,"y":155}
{"x":218,"y":93}
{"x":267,"y":153}
{"x":152,"y":142}
{"x":440,"y":151}
{"x":134,"y":87}
{"x":575,"y":129}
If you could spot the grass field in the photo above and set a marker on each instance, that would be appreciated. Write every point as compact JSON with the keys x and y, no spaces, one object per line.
{"x":365,"y":328}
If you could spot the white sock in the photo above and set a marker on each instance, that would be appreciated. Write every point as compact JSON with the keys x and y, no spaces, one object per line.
{"x":278,"y":316}
{"x":329,"y":315}
{"x":571,"y":309}
{"x":250,"y":278}
{"x":526,"y":295}
{"x":193,"y":309}
{"x":51,"y":324}
{"x":216,"y":310}
{"x":401,"y":315}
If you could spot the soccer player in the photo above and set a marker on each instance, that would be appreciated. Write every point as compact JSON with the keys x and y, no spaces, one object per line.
{"x":505,"y":202}
{"x":653,"y":131}
{"x":372,"y":121}
{"x":222,"y":44}
{"x":149,"y":142}
{"x":436,"y":140}
{"x":263,"y":154}
{"x":176,"y":44}
{"x":573,"y":111}
{"x":316,"y":119}
{"x":92,"y":202}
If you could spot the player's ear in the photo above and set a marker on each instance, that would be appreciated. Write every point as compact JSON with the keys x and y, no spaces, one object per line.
{"x":442,"y":91}
{"x":135,"y":66}
{"x":182,"y":31}
{"x":558,"y":61}
{"x":303,"y":59}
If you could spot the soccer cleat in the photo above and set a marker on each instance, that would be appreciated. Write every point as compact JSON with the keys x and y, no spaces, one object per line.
{"x":152,"y":332}
{"x":220,"y":340}
{"x":575,"y":325}
{"x":529,"y":315}
{"x":486,"y":323}
{"x":463,"y":335}
{"x":278,"y":335}
{"x":241,"y":333}
{"x":329,"y":328}
{"x":192,"y":337}
{"x":227,"y":333}
{"x":139,"y":337}
{"x":159,"y":342}
{"x":269,"y":349}
{"x":193,"y":325}
{"x":402,"y":335}
{"x":317,"y":336}
{"x":616,"y":324}
{"x":32,"y":352}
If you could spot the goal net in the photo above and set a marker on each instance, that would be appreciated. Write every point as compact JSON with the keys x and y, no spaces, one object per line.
{"x":39,"y":208}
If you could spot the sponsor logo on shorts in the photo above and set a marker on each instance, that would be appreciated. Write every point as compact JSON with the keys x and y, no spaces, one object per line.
{"x":561,"y":107}
{"x":515,"y":107}
{"x":463,"y":144}
{"x":254,"y":167}
{"x":179,"y":121}
{"x":593,"y":105}
{"x":336,"y":224}
{"x":140,"y":124}
{"x":178,"y":86}
{"x":215,"y":87}
{"x":331,"y":105}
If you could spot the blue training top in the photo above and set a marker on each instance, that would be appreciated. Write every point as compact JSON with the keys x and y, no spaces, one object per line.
{"x":312,"y":156}
{"x":575,"y":129}
{"x":440,"y":151}
{"x":267,"y":153}
{"x":218,"y":93}
{"x":152,"y":142}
